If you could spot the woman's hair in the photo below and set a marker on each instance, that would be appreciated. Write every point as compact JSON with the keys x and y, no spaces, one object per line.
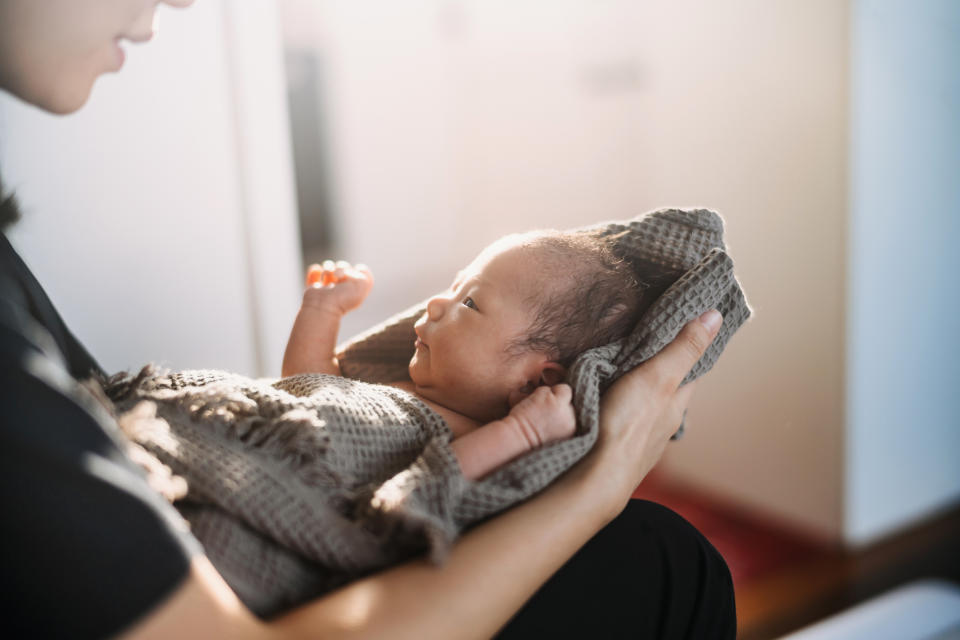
{"x":594,"y":297}
{"x":9,"y":213}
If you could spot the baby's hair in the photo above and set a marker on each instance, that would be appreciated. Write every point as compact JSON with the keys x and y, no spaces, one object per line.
{"x":594,"y":297}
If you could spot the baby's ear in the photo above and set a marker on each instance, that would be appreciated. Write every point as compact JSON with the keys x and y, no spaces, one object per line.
{"x":552,"y":373}
{"x":547,"y":373}
{"x":519,"y":394}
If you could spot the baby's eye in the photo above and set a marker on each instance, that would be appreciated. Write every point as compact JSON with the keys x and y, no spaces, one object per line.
{"x":468,"y":302}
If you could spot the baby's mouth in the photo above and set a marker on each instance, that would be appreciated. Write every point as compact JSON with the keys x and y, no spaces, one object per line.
{"x":418,"y":329}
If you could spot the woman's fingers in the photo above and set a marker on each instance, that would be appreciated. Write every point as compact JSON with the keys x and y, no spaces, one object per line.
{"x":665,"y":371}
{"x":640,"y":412}
{"x":650,"y":386}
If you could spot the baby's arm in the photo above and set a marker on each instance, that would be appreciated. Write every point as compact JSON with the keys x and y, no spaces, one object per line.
{"x":332,"y":290}
{"x":543,"y":416}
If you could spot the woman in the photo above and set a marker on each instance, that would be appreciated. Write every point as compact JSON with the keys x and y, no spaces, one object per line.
{"x":90,"y":550}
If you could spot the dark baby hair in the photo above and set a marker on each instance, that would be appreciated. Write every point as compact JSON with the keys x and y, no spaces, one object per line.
{"x":594,"y":297}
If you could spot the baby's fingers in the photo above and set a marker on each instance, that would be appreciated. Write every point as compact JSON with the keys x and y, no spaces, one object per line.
{"x":562,"y":392}
{"x":340,"y":270}
{"x":314,"y":274}
{"x":331,"y":273}
{"x":321,"y":274}
{"x":364,"y":270}
{"x":360,"y":272}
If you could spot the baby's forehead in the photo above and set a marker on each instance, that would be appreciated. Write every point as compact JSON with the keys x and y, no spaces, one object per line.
{"x":519,"y":265}
{"x":534,"y":274}
{"x":524,"y":249}
{"x":542,"y":260}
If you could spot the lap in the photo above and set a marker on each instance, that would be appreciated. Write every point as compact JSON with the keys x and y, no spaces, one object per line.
{"x":648,"y":574}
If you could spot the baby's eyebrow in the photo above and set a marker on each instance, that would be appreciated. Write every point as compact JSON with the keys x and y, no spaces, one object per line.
{"x":458,"y":278}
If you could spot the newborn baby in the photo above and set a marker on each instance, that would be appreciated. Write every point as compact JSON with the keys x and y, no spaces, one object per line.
{"x":492,"y":350}
{"x":296,"y":486}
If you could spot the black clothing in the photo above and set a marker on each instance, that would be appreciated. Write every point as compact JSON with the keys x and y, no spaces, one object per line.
{"x":648,"y":574}
{"x":87,"y":547}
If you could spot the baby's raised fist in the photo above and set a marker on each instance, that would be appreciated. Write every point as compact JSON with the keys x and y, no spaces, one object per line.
{"x":337,"y":287}
{"x":545,"y":415}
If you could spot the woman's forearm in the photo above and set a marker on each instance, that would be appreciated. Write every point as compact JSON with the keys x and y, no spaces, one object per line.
{"x":489,"y":574}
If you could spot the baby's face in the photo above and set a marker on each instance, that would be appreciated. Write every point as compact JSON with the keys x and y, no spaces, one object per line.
{"x":461,"y":359}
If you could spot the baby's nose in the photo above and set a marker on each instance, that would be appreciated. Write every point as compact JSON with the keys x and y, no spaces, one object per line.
{"x":435,"y":307}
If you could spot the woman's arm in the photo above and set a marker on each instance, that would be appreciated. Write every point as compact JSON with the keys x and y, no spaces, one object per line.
{"x":496,"y":566}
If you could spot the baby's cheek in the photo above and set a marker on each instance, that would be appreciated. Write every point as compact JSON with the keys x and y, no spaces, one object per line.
{"x":475,"y":396}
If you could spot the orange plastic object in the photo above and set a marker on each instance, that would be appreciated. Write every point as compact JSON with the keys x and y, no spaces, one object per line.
{"x":328,"y":278}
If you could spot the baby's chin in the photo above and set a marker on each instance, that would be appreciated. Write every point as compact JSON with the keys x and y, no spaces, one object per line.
{"x":412,"y":372}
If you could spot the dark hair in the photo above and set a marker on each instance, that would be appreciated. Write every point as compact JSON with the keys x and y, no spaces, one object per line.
{"x":9,"y":213}
{"x":596,"y":297}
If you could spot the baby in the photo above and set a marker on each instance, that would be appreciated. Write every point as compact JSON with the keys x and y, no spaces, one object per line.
{"x":491,"y":351}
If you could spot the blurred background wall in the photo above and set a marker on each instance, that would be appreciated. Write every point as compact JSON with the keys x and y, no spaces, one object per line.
{"x":252,"y":137}
{"x":450,"y":124}
{"x":161,"y":217}
{"x":902,"y":448}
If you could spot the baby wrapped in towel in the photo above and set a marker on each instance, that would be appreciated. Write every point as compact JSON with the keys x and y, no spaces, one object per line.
{"x":299,"y":485}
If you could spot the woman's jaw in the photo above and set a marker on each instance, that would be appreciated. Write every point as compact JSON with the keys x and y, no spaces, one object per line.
{"x":52,"y":52}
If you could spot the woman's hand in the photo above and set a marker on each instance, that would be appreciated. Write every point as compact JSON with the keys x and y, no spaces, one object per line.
{"x":640,"y":412}
{"x":337,"y":287}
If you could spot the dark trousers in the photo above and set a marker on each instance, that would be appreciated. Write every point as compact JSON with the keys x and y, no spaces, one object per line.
{"x":648,"y":574}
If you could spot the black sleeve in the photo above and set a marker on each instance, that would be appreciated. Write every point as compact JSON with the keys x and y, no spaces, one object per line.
{"x":87,"y":547}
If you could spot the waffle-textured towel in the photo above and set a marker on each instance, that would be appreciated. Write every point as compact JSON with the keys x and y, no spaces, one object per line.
{"x":299,"y":485}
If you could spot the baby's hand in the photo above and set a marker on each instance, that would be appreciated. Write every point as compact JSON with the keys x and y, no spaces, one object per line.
{"x":337,"y":287}
{"x":545,"y":415}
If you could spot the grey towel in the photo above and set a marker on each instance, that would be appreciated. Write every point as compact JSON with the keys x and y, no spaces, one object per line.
{"x":299,"y":485}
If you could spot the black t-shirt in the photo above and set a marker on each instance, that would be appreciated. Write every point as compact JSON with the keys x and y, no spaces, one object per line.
{"x":86,"y":546}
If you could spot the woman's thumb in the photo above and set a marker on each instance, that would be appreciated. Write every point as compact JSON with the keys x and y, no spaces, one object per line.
{"x":689,"y":346}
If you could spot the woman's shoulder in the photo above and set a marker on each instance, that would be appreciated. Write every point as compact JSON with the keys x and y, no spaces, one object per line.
{"x":30,"y":317}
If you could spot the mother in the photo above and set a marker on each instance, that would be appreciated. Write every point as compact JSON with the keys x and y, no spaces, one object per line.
{"x":89,"y":550}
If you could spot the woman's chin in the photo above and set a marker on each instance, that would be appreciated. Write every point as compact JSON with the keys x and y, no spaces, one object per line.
{"x":63,"y":99}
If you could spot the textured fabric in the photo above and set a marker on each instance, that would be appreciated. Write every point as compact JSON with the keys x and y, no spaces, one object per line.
{"x":298,"y":485}
{"x":295,"y":486}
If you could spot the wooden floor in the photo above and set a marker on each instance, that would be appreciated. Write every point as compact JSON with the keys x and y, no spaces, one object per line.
{"x":784,"y":581}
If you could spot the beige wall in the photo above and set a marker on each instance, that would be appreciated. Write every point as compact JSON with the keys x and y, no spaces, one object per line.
{"x":764,"y":105}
